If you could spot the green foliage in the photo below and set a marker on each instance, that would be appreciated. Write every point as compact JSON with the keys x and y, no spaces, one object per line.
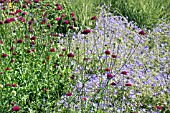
{"x":145,"y":13}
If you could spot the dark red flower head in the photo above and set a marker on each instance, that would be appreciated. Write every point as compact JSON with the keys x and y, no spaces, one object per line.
{"x":24,"y":13}
{"x":32,"y":43}
{"x":85,"y":59}
{"x":65,"y":22}
{"x":15,"y":108}
{"x":93,"y":18}
{"x":59,"y":7}
{"x":128,"y":84}
{"x":2,"y":1}
{"x":8,"y":84}
{"x":26,"y":36}
{"x":1,"y":22}
{"x":62,"y":15}
{"x":86,"y":31}
{"x":12,"y":60}
{"x":33,"y":38}
{"x":61,"y":55}
{"x":36,"y":1}
{"x":19,"y":41}
{"x":14,"y":53}
{"x":107,"y":52}
{"x":52,"y":50}
{"x":109,"y":76}
{"x":49,"y":25}
{"x":71,"y":27}
{"x":4,"y":55}
{"x":68,"y":94}
{"x":29,"y":51}
{"x":158,"y":107}
{"x":7,"y":21}
{"x":18,"y":11}
{"x":124,"y":72}
{"x":72,"y":77}
{"x":141,"y":32}
{"x":64,"y":49}
{"x":57,"y":19}
{"x":70,"y":55}
{"x":113,"y":84}
{"x":7,"y":68}
{"x":114,"y":56}
{"x":74,"y":19}
{"x":84,"y":98}
{"x":12,"y":19}
{"x":16,"y":1}
{"x":24,"y":6}
{"x":107,"y":69}
{"x":72,"y":14}
{"x":1,"y":42}
{"x":14,"y":85}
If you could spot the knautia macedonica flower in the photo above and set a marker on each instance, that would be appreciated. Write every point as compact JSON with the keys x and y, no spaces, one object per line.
{"x":24,"y":6}
{"x":114,"y":56}
{"x":36,"y":1}
{"x":65,"y":22}
{"x":19,"y":41}
{"x":1,"y":22}
{"x":68,"y":94}
{"x":29,"y":51}
{"x":17,"y":11}
{"x":107,"y":69}
{"x":12,"y":60}
{"x":71,"y":27}
{"x":8,"y":84}
{"x":107,"y":52}
{"x":32,"y":43}
{"x":72,"y":14}
{"x":112,"y":83}
{"x":14,"y":85}
{"x":74,"y":19}
{"x":63,"y":49}
{"x":58,"y":8}
{"x":93,"y":18}
{"x":33,"y":38}
{"x":84,"y":98}
{"x":52,"y":50}
{"x":141,"y":32}
{"x":128,"y":84}
{"x":158,"y":107}
{"x":124,"y":73}
{"x":7,"y":21}
{"x":15,"y":108}
{"x":4,"y":55}
{"x":70,"y":55}
{"x":48,"y":25}
{"x":109,"y":76}
{"x":7,"y":69}
{"x":86,"y":31}
{"x":72,"y":77}
{"x":62,"y":15}
{"x":57,"y":19}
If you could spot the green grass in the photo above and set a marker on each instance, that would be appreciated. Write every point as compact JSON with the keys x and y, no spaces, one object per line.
{"x":145,"y":13}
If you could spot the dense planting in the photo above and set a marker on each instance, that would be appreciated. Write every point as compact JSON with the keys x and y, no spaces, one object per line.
{"x":50,"y":62}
